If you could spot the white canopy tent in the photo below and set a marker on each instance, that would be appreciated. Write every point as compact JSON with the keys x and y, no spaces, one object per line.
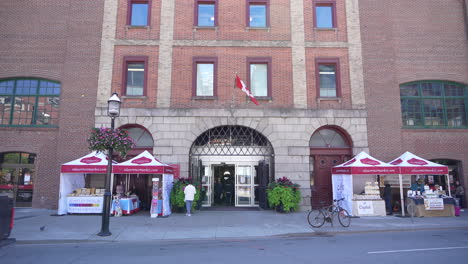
{"x":362,"y":164}
{"x":72,"y":175}
{"x":410,"y":164}
{"x":145,"y":163}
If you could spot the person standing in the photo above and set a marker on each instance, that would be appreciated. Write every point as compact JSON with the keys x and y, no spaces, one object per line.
{"x":189,"y":192}
{"x":460,"y":193}
{"x":388,"y":198}
{"x":218,"y":190}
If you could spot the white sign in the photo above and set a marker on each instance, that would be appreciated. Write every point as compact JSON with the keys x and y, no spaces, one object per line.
{"x":365,"y":207}
{"x":343,"y":188}
{"x":434,"y":204}
{"x":85,"y":205}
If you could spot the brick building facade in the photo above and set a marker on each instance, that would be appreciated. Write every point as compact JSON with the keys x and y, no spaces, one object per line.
{"x":53,"y":45}
{"x":152,"y":54}
{"x":170,"y":44}
{"x":423,"y":43}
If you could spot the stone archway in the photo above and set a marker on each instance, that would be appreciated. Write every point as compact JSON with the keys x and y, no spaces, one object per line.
{"x":329,"y":146}
{"x":241,"y":152}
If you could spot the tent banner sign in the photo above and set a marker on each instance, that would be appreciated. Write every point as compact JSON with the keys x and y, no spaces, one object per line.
{"x":434,"y":204}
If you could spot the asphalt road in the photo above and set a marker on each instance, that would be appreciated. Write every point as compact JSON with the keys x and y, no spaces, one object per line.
{"x":438,"y":246}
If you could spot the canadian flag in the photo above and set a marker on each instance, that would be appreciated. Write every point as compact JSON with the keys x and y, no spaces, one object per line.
{"x":241,"y":85}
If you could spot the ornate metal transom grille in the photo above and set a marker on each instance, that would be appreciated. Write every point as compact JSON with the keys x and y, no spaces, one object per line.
{"x":231,"y":141}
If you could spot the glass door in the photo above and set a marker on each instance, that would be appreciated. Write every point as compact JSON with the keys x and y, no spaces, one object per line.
{"x":244,"y":186}
{"x":207,"y":181}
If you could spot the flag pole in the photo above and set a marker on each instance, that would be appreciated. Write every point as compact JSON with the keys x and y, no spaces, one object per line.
{"x":233,"y":93}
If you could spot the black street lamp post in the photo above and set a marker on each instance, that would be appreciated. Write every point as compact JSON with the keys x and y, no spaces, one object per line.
{"x":113,"y":110}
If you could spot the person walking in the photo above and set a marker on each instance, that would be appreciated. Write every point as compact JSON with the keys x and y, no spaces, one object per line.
{"x":189,"y":192}
{"x":460,"y":193}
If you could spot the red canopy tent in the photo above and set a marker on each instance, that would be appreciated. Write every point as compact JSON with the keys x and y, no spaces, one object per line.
{"x":362,"y":164}
{"x":410,"y":164}
{"x":72,"y":175}
{"x":146,"y":163}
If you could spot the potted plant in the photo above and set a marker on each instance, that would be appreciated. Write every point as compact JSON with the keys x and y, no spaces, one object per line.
{"x":283,"y":195}
{"x":178,"y":196}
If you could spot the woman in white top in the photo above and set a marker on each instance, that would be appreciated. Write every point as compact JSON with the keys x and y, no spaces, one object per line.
{"x":189,"y":192}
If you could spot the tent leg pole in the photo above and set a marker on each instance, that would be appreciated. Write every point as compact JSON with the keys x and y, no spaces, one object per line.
{"x":448,"y":185}
{"x":401,"y":196}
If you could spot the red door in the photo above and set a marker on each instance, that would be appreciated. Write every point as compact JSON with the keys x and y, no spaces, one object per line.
{"x":322,"y":189}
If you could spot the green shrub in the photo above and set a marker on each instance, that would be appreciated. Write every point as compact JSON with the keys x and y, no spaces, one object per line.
{"x":178,"y":196}
{"x":284,"y":195}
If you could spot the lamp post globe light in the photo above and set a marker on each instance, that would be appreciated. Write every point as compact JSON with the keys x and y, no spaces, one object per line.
{"x":113,"y":110}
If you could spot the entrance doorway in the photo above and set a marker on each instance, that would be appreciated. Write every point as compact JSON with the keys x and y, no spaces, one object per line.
{"x":223,"y":184}
{"x":329,"y":146}
{"x":17,"y":175}
{"x":234,"y":165}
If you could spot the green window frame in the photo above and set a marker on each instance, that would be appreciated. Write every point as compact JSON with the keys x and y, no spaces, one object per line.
{"x":29,"y":102}
{"x":434,"y":104}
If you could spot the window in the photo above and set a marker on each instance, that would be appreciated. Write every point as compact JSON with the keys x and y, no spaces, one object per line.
{"x":259,"y":70}
{"x":434,"y":104}
{"x":139,"y":12}
{"x":135,"y":75}
{"x":29,"y":102}
{"x":206,"y":14}
{"x":328,"y":77}
{"x":257,"y":13}
{"x":204,"y":76}
{"x":324,"y":14}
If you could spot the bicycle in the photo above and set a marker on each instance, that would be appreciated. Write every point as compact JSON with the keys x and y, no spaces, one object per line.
{"x":317,"y":218}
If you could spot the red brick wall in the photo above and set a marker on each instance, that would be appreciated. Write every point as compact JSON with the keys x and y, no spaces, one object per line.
{"x":342,"y":55}
{"x":231,"y":61}
{"x":126,"y":32}
{"x":152,"y":52}
{"x":408,"y":41}
{"x":338,"y":34}
{"x":56,"y":40}
{"x":232,"y":22}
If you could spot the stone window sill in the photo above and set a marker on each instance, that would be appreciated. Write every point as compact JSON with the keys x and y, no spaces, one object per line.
{"x":258,"y":28}
{"x":338,"y":99}
{"x":134,"y":97}
{"x":325,"y":29}
{"x":196,"y":28}
{"x":137,"y":27}
{"x":204,"y":98}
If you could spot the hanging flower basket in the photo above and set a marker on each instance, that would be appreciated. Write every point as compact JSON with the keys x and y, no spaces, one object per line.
{"x":103,"y":138}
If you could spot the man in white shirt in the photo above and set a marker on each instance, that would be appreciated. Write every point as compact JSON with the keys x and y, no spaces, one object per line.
{"x":189,"y":192}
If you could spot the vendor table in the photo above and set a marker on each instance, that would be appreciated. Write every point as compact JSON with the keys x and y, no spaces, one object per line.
{"x":129,"y":205}
{"x":433,"y":206}
{"x":369,"y":208}
{"x":84,"y":204}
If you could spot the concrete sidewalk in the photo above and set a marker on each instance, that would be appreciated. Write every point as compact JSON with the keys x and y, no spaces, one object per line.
{"x":36,"y":225}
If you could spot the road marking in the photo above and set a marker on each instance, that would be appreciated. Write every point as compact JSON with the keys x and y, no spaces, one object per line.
{"x":412,"y":250}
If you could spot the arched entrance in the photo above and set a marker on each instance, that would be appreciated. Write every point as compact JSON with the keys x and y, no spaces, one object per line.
{"x":234,"y":164}
{"x":140,"y":183}
{"x":17,"y":172}
{"x":329,"y":146}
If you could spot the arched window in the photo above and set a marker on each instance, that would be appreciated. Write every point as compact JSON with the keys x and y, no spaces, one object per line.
{"x":328,"y":138}
{"x":141,"y":136}
{"x":434,"y":104}
{"x":29,"y":102}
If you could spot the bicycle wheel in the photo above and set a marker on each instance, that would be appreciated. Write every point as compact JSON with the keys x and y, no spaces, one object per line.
{"x":316,"y":218}
{"x":344,"y":218}
{"x":411,"y":210}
